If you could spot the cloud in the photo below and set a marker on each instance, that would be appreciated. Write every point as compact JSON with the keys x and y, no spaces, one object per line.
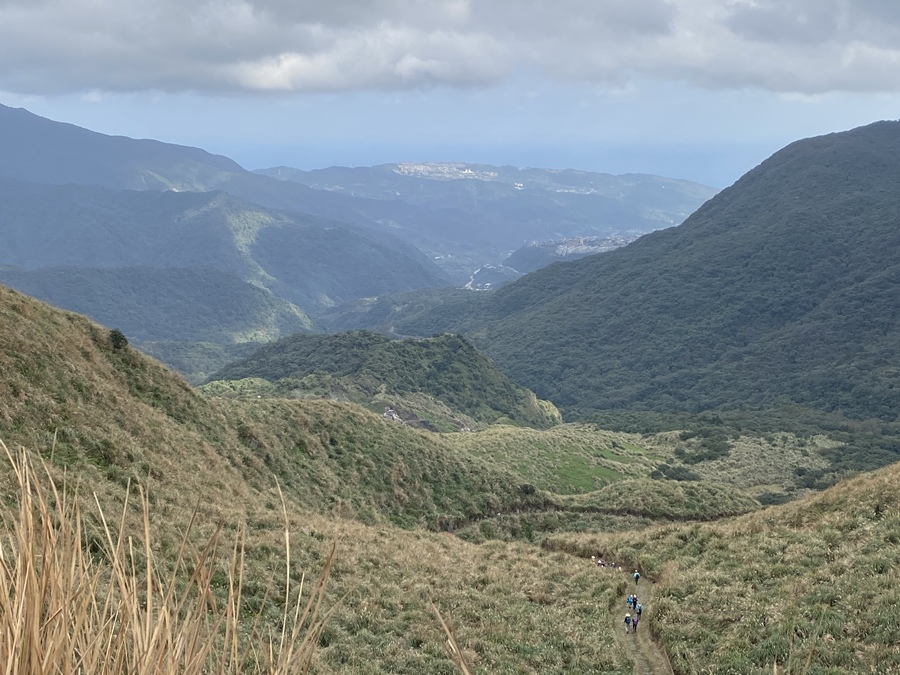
{"x":227,"y":46}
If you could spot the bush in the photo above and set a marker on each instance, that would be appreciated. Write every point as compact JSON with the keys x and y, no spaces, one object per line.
{"x":117,"y":339}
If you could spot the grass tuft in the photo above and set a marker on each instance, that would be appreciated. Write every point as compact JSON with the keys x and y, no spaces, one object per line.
{"x":64,"y":609}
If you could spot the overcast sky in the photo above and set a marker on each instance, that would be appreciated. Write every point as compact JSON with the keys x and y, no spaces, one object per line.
{"x":699,"y":89}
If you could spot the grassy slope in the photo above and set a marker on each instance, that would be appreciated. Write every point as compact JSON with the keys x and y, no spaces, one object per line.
{"x":66,"y":388}
{"x":566,"y":459}
{"x":815,"y":574}
{"x":812,"y":582}
{"x":581,"y":458}
{"x":104,"y":416}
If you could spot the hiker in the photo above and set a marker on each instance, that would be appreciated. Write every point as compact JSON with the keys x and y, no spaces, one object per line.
{"x":628,"y":623}
{"x":637,"y":577}
{"x":634,"y":623}
{"x":629,"y":600}
{"x":634,"y":602}
{"x":639,"y":609}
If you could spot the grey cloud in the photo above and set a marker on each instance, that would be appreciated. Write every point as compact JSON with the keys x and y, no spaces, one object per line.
{"x":357,"y":13}
{"x":802,"y":22}
{"x":810,"y":46}
{"x":879,"y":10}
{"x":787,"y":23}
{"x":583,"y":20}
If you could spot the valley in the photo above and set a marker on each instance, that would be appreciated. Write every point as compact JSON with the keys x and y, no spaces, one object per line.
{"x":712,"y":404}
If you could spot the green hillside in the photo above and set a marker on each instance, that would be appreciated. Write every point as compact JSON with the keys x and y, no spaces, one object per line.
{"x":782,"y":286}
{"x":808,"y":587}
{"x":58,"y":369}
{"x":147,"y":303}
{"x":582,"y":459}
{"x":103,"y":416}
{"x":442,"y":381}
{"x":780,"y":289}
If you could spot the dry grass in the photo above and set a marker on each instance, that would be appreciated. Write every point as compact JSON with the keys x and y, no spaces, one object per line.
{"x":64,"y":609}
{"x":810,"y":585}
{"x":106,"y":418}
{"x":452,"y":647}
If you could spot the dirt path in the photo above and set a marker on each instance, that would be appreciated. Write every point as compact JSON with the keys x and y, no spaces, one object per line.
{"x":649,"y":658}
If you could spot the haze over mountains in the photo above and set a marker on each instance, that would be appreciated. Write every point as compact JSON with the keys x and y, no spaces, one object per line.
{"x":77,"y":202}
{"x":172,"y":268}
{"x":477,"y":214}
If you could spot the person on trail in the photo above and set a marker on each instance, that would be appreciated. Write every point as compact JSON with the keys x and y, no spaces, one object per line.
{"x":628,"y":623}
{"x":634,"y":602}
{"x":639,"y":609}
{"x":637,"y":576}
{"x":628,"y":601}
{"x":634,"y":623}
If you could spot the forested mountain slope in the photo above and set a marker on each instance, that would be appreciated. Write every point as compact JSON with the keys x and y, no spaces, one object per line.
{"x":369,"y":368}
{"x":191,"y":267}
{"x":781,"y":288}
{"x":304,"y":259}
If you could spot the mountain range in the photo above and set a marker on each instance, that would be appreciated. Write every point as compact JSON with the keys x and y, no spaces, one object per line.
{"x":430,"y":212}
{"x":76,"y":205}
{"x":476,"y":214}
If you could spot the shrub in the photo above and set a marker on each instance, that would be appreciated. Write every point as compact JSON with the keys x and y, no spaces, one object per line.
{"x":117,"y":339}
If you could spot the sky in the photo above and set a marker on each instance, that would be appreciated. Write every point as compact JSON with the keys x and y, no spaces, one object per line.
{"x":696,"y":89}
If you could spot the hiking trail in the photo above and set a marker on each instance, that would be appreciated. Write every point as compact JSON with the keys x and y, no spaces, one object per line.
{"x":648,"y":656}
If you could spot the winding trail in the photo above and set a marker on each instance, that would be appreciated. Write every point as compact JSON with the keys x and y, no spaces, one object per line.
{"x":649,"y":658}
